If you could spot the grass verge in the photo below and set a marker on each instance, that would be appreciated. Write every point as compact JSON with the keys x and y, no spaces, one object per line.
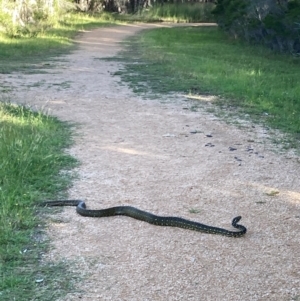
{"x":198,"y":60}
{"x":32,"y":159}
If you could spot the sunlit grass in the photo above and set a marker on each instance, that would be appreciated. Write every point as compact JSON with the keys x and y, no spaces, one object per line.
{"x":32,"y":158}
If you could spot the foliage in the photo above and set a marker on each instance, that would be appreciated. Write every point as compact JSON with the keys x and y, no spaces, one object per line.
{"x":89,"y":5}
{"x":29,"y":17}
{"x":132,"y":6}
{"x":180,"y":12}
{"x":272,"y":23}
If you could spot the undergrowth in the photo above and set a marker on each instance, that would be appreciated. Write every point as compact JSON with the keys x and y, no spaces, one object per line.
{"x":177,"y":12}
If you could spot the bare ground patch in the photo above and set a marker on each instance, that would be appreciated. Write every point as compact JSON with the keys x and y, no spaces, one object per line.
{"x":165,"y":159}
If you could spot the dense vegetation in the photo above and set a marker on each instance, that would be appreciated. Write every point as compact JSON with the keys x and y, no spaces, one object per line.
{"x":275,"y":24}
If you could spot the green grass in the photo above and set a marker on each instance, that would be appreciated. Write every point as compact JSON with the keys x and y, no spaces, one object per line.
{"x":32,"y":158}
{"x":199,"y":60}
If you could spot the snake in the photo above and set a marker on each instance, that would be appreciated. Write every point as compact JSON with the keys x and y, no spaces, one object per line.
{"x":150,"y":218}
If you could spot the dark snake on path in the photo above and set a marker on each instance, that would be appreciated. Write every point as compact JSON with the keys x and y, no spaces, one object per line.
{"x":150,"y":218}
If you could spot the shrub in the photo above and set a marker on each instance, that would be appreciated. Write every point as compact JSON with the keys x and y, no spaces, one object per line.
{"x":29,"y":17}
{"x":273,"y":23}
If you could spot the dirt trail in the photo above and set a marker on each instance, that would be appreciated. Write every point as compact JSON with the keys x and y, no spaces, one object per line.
{"x":142,"y":153}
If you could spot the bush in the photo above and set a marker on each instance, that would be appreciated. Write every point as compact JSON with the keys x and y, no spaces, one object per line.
{"x":181,"y":12}
{"x":29,"y":17}
{"x":273,"y":23}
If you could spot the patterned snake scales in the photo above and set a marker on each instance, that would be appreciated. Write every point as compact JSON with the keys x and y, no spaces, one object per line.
{"x":150,"y":218}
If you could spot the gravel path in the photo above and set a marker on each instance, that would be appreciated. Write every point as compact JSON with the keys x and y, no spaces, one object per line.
{"x":160,"y":157}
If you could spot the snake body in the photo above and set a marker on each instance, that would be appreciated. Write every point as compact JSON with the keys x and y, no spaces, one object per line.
{"x":150,"y":218}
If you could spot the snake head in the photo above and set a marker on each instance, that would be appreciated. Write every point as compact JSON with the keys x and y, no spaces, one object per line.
{"x":236,"y":220}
